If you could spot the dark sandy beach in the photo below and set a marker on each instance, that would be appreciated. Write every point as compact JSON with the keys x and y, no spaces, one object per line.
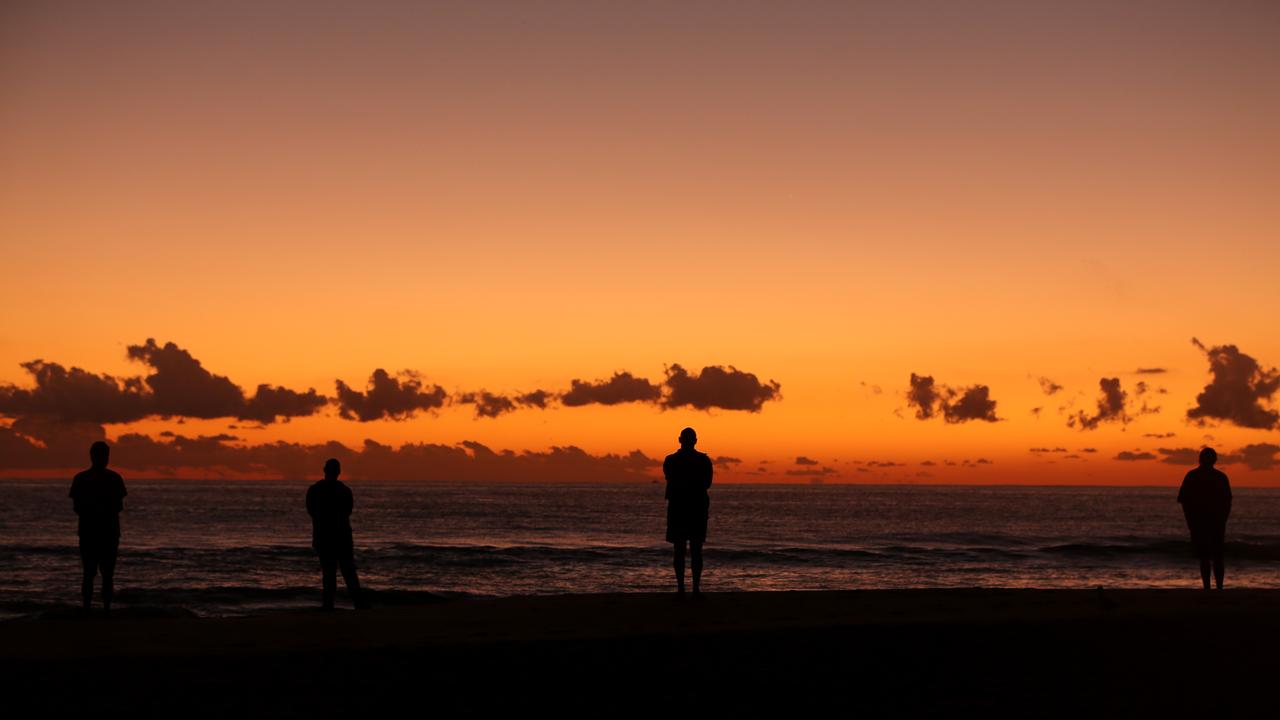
{"x":1002,"y":651}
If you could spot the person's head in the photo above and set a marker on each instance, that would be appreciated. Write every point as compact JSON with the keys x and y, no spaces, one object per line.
{"x":1208,"y":457}
{"x":688,"y":438}
{"x":332,"y":469}
{"x":99,"y":454}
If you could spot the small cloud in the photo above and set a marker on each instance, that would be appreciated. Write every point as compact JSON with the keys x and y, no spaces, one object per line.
{"x":1259,"y":456}
{"x":395,"y":398}
{"x":1111,"y":407}
{"x":802,"y":460}
{"x":1179,"y":456}
{"x":1128,"y":456}
{"x":1151,"y":371}
{"x":623,"y":387}
{"x":955,"y":405}
{"x":726,"y":388}
{"x":1049,"y":387}
{"x":812,"y":472}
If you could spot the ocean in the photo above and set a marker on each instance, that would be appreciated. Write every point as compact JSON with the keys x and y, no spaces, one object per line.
{"x":243,"y":547}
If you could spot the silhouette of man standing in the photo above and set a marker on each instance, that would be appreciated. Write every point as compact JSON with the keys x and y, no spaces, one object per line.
{"x":329,"y":504}
{"x":688,"y":475}
{"x":1206,"y":504}
{"x":97,"y":494}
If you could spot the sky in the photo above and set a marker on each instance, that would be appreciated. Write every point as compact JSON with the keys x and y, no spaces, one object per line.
{"x":989,"y":242}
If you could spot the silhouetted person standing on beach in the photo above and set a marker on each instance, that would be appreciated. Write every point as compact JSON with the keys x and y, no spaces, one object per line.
{"x":98,"y":497}
{"x":688,"y":505}
{"x":1206,"y":503}
{"x":329,"y":504}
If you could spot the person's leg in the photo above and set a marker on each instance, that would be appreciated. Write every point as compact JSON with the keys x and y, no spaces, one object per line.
{"x":348,"y":563}
{"x":89,"y":565}
{"x":1200,"y":542}
{"x":678,"y":563}
{"x":1219,"y":539}
{"x":329,"y":578}
{"x":695,"y":559}
{"x":107,"y":563}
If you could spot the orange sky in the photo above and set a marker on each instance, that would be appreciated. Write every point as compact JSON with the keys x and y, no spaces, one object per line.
{"x":510,"y":196}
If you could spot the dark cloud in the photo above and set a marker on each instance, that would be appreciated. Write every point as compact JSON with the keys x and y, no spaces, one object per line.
{"x":954,"y":405}
{"x":397,"y":398}
{"x":491,"y":405}
{"x":1256,"y":457}
{"x":623,"y":387}
{"x":727,"y":460}
{"x":929,"y":463}
{"x":1088,"y":450}
{"x":1112,"y":407}
{"x":537,"y":398}
{"x":486,"y":403}
{"x":1151,"y":371}
{"x":1179,"y":456}
{"x":883,"y":464}
{"x":179,"y":386}
{"x":220,"y":455}
{"x":1036,"y":411}
{"x":923,"y":396}
{"x":718,"y":387}
{"x":271,"y":402}
{"x":802,"y":460}
{"x":1259,"y":456}
{"x":1048,"y":450}
{"x":975,"y":403}
{"x":1128,"y":456}
{"x":812,"y":472}
{"x":1160,"y":436}
{"x":1048,"y":386}
{"x":75,"y":395}
{"x":1239,"y":388}
{"x":182,"y":387}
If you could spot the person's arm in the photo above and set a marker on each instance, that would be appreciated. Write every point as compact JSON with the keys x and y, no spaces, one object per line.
{"x":710,"y":470}
{"x":1227,"y":485}
{"x":75,"y":494}
{"x":666,"y":493}
{"x":349,"y":502}
{"x":311,"y":501}
{"x":121,"y":492}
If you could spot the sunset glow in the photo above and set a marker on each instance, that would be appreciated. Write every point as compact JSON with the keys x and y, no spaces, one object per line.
{"x":495,"y":199}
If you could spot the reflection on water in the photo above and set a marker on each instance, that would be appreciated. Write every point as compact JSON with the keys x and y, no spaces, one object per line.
{"x":230,"y":547}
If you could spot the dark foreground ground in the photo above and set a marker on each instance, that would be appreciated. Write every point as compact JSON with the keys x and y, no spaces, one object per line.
{"x":1004,"y":652}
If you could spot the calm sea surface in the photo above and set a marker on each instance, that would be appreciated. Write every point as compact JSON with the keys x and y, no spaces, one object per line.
{"x":222,"y":548}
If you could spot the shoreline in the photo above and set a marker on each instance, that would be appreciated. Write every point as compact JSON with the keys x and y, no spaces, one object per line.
{"x":893,"y":649}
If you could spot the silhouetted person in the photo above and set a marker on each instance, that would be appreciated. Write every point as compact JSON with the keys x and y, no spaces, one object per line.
{"x":329,"y":504}
{"x":1206,"y":504}
{"x":688,"y":505}
{"x":97,"y":495}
